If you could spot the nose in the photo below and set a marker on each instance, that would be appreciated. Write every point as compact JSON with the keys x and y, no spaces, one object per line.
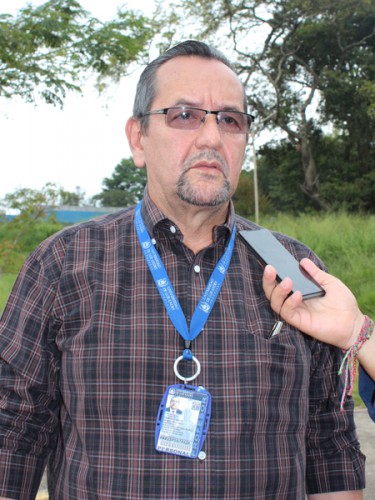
{"x":208,"y":135}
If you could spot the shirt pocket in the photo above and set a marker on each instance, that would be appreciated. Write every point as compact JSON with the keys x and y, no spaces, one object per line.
{"x":278,"y":372}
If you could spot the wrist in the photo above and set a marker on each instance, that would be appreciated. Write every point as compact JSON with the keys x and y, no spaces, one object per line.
{"x":367,"y":332}
{"x":362,"y":333}
{"x":358,"y":325}
{"x":348,"y":363}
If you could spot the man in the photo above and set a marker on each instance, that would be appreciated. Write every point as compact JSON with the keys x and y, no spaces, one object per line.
{"x":107,"y":316}
{"x":174,"y":407}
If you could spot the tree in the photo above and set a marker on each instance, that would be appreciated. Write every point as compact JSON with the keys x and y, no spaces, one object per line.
{"x":48,"y":50}
{"x":73,"y":199}
{"x":32,"y":204}
{"x":125,"y":187}
{"x":300,"y":61}
{"x":244,"y":199}
{"x":279,"y":175}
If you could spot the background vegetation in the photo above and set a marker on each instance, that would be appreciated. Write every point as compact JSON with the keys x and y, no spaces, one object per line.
{"x":48,"y":50}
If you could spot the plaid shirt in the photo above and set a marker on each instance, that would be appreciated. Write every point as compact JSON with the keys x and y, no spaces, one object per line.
{"x":87,"y":351}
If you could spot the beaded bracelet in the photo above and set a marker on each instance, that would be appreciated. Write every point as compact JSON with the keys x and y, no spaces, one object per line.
{"x":349,"y":362}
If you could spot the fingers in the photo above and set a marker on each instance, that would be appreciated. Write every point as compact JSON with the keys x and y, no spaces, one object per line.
{"x":276,"y":293}
{"x":290,"y":306}
{"x":313,"y":270}
{"x":269,"y":280}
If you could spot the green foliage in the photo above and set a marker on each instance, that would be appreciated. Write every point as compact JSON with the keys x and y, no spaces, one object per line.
{"x":32,"y":203}
{"x":11,"y":257}
{"x":17,"y":240}
{"x":32,"y":206}
{"x":30,"y":226}
{"x":72,"y":199}
{"x":49,"y":49}
{"x":6,"y":283}
{"x":244,"y":197}
{"x":305,"y":64}
{"x":341,"y":179}
{"x":280,"y":178}
{"x":125,"y":187}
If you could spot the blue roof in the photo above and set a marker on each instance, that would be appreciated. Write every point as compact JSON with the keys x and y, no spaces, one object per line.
{"x":74,"y":216}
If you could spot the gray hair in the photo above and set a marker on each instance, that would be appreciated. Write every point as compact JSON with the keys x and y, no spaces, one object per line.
{"x":146,"y":88}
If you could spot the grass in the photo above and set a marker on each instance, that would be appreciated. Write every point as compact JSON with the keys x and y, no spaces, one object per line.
{"x":6,"y":283}
{"x":346,"y":244}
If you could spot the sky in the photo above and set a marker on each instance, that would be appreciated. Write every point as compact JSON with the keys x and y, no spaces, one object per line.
{"x":76,"y":146}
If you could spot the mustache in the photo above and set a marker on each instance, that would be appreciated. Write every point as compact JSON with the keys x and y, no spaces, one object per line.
{"x":209,"y":156}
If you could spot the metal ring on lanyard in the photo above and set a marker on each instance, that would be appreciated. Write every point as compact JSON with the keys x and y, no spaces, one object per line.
{"x":187,"y":379}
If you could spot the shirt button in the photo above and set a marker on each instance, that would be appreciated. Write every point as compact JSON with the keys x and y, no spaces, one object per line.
{"x":202,"y":455}
{"x":173,"y":229}
{"x":153,"y":241}
{"x":197,"y":269}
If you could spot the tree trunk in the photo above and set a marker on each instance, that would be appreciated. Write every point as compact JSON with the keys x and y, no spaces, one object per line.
{"x":311,"y":178}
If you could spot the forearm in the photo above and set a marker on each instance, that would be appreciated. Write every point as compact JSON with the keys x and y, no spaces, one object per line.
{"x":338,"y":495}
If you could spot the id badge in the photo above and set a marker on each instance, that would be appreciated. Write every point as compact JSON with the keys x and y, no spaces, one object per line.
{"x":183,"y":420}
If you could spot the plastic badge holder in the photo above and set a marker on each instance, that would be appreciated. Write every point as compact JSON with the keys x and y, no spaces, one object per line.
{"x":181,"y":428}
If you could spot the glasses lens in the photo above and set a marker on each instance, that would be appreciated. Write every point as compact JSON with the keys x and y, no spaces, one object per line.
{"x":234,"y":122}
{"x":185,"y":118}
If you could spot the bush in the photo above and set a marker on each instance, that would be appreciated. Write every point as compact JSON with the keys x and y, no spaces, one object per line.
{"x":27,"y":237}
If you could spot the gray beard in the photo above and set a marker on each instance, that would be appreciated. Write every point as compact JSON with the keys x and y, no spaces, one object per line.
{"x":187,"y":193}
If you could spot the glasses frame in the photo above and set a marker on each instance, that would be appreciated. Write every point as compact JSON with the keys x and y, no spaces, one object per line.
{"x":164,"y":111}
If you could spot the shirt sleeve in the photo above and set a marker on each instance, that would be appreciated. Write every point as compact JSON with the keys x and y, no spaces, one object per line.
{"x":366,"y":388}
{"x":28,"y":382}
{"x":334,"y":459}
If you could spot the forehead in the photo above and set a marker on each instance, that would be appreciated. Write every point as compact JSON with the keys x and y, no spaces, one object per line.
{"x":195,"y":80}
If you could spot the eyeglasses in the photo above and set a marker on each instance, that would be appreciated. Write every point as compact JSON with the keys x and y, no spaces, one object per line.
{"x":187,"y":118}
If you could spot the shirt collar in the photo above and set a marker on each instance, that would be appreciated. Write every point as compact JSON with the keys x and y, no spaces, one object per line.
{"x":153,"y":216}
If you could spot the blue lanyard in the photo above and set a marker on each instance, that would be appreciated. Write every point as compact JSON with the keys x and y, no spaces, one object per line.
{"x":166,"y":289}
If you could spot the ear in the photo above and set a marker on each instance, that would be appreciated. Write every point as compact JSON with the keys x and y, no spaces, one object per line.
{"x":134,"y":134}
